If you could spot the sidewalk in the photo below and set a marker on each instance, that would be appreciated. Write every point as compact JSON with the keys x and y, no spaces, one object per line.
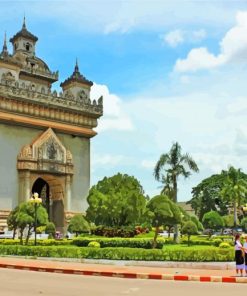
{"x":159,"y":272}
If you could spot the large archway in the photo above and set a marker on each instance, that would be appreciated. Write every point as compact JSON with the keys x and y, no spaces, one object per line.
{"x":43,"y":189}
{"x":45,"y":166}
{"x":51,"y":189}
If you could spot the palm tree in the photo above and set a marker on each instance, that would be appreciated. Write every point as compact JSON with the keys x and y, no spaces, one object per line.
{"x":234,"y":189}
{"x":170,"y":166}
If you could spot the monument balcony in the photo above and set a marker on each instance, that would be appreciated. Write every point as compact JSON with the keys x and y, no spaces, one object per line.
{"x":22,"y":103}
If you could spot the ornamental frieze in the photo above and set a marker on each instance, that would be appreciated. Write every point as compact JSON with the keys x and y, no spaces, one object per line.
{"x":47,"y":154}
{"x":14,"y":90}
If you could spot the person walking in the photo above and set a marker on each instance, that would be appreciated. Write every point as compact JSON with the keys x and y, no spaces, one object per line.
{"x":245,"y":254}
{"x":239,"y":255}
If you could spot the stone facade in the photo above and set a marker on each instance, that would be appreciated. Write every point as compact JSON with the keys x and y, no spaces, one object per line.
{"x":44,"y":135}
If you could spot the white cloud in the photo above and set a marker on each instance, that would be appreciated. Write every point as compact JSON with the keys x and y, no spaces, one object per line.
{"x":174,"y":38}
{"x":178,"y":37}
{"x":199,"y":58}
{"x":114,"y":117}
{"x":233,"y":48}
{"x":199,"y":35}
{"x":107,"y":159}
{"x":121,"y":16}
{"x":148,"y":164}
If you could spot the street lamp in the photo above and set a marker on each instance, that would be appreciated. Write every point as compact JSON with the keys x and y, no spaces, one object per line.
{"x":35,"y":200}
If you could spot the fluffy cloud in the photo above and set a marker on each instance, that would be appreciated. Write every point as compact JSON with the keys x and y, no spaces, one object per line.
{"x":121,"y":16}
{"x":174,"y":38}
{"x":210,"y":125}
{"x":114,"y":116}
{"x":148,"y":164}
{"x":177,"y":37}
{"x":233,"y":48}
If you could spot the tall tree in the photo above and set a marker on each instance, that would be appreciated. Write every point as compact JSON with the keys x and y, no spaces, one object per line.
{"x":116,"y":201}
{"x":78,"y":224}
{"x":206,"y":196}
{"x":234,"y":189}
{"x":162,"y":211}
{"x":171,"y":166}
{"x":23,"y":218}
{"x":213,"y":220}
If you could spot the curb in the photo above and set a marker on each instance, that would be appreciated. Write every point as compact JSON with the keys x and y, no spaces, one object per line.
{"x":129,"y":275}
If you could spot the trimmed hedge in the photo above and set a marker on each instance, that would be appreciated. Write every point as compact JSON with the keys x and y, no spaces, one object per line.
{"x":144,"y":243}
{"x":44,"y":242}
{"x":170,"y":254}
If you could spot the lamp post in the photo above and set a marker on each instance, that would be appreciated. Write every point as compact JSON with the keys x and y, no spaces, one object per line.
{"x":35,"y":200}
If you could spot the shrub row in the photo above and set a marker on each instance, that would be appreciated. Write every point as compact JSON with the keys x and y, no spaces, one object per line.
{"x":144,"y":243}
{"x":44,"y":242}
{"x":176,"y":254}
{"x":114,"y":231}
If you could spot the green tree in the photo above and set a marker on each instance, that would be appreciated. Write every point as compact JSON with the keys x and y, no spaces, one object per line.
{"x":175,"y":219}
{"x":116,"y":201}
{"x":244,"y":224}
{"x":78,"y":224}
{"x":198,"y":224}
{"x":206,"y":196}
{"x":228,"y":221}
{"x":12,"y":221}
{"x":162,"y":211}
{"x":234,"y":189}
{"x":24,"y":217}
{"x":170,"y":166}
{"x":50,"y":229}
{"x":212,"y":220}
{"x":189,"y":228}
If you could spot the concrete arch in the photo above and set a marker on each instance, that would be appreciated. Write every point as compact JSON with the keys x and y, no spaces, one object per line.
{"x":55,"y":200}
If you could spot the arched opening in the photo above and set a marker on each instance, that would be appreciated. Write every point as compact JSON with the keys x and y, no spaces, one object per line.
{"x":43,"y":189}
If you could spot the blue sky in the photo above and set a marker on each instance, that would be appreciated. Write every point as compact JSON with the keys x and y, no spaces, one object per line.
{"x":169,"y":71}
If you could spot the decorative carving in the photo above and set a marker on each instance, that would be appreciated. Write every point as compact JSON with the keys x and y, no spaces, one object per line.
{"x":46,"y":154}
{"x":68,"y":95}
{"x":69,"y":157}
{"x":26,"y":152}
{"x":82,"y":96}
{"x":46,"y":100}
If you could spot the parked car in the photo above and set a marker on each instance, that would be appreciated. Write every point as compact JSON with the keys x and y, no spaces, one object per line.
{"x":6,"y":234}
{"x":228,"y":231}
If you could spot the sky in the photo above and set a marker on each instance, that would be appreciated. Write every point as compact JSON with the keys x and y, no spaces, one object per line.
{"x":169,"y":71}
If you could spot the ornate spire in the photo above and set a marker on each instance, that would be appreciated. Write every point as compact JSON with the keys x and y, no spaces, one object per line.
{"x":5,"y":49}
{"x":76,"y":66}
{"x":24,"y":33}
{"x":77,"y":77}
{"x":24,"y":23}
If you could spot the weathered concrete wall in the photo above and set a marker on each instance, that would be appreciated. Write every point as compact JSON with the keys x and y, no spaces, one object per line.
{"x":13,"y":138}
{"x":80,"y":149}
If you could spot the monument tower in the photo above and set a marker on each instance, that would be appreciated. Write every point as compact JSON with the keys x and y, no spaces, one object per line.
{"x":44,"y":136}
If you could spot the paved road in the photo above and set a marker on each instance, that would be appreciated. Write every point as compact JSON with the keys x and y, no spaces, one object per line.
{"x":27,"y":283}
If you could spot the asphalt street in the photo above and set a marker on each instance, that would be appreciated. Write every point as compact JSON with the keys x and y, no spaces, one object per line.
{"x":28,"y":283}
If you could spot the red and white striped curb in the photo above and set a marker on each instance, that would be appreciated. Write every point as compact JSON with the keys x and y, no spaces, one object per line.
{"x":130,"y":275}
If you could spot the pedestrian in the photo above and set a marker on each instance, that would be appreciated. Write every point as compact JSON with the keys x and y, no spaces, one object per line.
{"x":245,"y":255}
{"x":239,"y":255}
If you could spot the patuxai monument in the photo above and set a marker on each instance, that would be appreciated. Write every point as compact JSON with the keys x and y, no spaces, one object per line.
{"x":44,"y":135}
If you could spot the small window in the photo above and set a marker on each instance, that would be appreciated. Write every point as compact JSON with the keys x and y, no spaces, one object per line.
{"x":27,"y":47}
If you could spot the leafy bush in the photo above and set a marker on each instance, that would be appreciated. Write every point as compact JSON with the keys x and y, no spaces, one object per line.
{"x":144,"y":243}
{"x":50,"y":229}
{"x":224,"y":246}
{"x":167,"y":254}
{"x":114,"y":231}
{"x":189,"y":228}
{"x":244,"y":224}
{"x":94,"y":244}
{"x":78,"y":224}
